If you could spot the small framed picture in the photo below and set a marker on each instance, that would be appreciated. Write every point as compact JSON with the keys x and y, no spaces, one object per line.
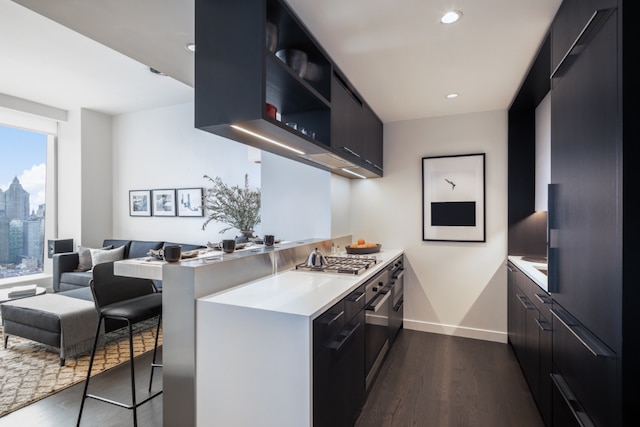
{"x":164,"y":202}
{"x":140,"y":203}
{"x":189,"y":201}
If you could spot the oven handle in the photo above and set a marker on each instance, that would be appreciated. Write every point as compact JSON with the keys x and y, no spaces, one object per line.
{"x":399,"y":275}
{"x":337,"y":345}
{"x":383,"y":300}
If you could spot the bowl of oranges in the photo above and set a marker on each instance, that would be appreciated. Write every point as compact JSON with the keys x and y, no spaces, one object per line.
{"x":362,"y":247}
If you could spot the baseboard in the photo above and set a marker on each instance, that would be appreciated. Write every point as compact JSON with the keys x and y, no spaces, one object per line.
{"x":457,"y":331}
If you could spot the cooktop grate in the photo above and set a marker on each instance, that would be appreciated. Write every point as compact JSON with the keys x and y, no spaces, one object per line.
{"x":352,"y":264}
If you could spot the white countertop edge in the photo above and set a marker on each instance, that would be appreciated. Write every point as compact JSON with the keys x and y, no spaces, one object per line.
{"x":529,"y":268}
{"x":299,"y":293}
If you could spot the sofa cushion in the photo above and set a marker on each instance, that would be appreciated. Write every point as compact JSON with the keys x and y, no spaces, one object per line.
{"x":84,"y":257}
{"x":139,"y":248}
{"x":99,"y":256}
{"x":77,"y":278}
{"x":117,"y":243}
{"x":82,"y":293}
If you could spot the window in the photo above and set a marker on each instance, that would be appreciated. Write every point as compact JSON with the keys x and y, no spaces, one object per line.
{"x":23,"y":159}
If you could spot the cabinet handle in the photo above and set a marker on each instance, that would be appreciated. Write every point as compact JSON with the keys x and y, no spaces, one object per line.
{"x":525,"y":302}
{"x":572,"y":402}
{"x":380,"y":303}
{"x":509,"y":268}
{"x":398,"y":305}
{"x":359,"y":297}
{"x":545,"y":299}
{"x":337,"y":345}
{"x":544,"y":325}
{"x":336,"y":317}
{"x":350,"y":151}
{"x":552,"y":237}
{"x":586,"y":338}
{"x":588,"y":31}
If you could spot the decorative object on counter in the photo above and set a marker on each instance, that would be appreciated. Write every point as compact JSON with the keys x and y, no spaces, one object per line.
{"x":295,"y":59}
{"x":269,"y":239}
{"x":238,"y":207}
{"x":362,"y":247}
{"x":316,"y":259}
{"x":272,"y":36}
{"x":238,"y":246}
{"x":228,"y":245}
{"x":292,"y":125}
{"x":453,"y":194}
{"x":140,"y":203}
{"x":164,"y":202}
{"x":172,"y":253}
{"x":189,"y":201}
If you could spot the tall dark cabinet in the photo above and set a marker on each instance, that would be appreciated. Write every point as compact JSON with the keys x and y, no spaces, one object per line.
{"x":593,"y":225}
{"x":592,"y":230}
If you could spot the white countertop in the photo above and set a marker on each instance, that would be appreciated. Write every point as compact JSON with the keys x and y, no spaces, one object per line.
{"x":531,"y":270}
{"x":300,"y":293}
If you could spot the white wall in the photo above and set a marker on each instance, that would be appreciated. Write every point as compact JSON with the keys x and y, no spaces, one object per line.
{"x":451,"y":288}
{"x":296,"y":199}
{"x":161,"y":149}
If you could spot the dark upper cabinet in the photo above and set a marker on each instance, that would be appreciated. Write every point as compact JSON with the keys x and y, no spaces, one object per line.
{"x":372,"y":140}
{"x":237,"y":74}
{"x":347,"y":119}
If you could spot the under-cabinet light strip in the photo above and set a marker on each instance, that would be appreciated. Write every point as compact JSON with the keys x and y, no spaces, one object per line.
{"x":264,"y":138}
{"x":353,"y":173}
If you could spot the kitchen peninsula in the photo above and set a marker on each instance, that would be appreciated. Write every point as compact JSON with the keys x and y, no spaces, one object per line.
{"x":237,"y":332}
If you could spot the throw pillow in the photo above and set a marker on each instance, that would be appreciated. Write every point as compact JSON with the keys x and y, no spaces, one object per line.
{"x":98,"y":256}
{"x":84,"y":258}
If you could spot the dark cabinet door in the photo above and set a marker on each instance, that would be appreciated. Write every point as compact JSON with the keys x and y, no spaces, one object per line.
{"x":339,"y":377}
{"x":572,"y":19}
{"x":347,"y":118}
{"x":372,"y":140}
{"x":515,"y":317}
{"x":586,"y":170}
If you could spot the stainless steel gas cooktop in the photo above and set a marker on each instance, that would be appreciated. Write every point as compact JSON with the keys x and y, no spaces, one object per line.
{"x":350,"y":264}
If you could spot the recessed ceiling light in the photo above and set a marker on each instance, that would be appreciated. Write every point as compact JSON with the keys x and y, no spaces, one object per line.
{"x":451,"y":17}
{"x":191,"y":47}
{"x":452,"y":95}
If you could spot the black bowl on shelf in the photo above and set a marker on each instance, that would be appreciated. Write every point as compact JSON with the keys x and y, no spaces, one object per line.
{"x":295,"y":59}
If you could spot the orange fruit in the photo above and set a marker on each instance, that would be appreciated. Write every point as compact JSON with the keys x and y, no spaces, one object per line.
{"x":361,"y":241}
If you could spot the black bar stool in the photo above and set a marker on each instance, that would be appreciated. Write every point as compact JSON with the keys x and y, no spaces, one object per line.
{"x":130,"y":300}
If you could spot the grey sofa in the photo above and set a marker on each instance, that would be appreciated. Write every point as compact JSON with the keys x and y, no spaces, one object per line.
{"x":66,"y":276}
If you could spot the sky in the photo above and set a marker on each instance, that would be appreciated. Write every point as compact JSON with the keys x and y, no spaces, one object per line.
{"x":23,"y":154}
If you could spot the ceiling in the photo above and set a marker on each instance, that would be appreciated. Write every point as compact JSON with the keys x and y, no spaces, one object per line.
{"x":398,"y":55}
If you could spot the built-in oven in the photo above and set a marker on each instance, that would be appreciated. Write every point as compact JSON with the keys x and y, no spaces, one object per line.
{"x":396,"y":287}
{"x":377,"y":311}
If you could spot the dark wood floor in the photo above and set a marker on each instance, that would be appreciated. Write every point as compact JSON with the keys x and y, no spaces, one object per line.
{"x":427,"y":380}
{"x":444,"y":381}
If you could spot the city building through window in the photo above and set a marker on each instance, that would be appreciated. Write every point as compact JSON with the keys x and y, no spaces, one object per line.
{"x":23,"y":159}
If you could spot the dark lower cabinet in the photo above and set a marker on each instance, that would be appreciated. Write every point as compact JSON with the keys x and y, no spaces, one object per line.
{"x":338,"y":363}
{"x":530,"y":336}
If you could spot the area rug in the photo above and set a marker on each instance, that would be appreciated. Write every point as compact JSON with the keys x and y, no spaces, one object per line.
{"x":30,"y":371}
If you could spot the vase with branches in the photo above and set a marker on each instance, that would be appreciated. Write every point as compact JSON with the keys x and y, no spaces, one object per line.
{"x":236,"y":206}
